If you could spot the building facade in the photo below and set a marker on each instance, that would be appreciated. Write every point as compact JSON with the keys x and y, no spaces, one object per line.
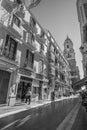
{"x":25,"y":52}
{"x":70,"y":56}
{"x":59,"y":70}
{"x":82,"y":18}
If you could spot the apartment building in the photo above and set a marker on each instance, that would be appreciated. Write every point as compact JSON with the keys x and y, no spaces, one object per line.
{"x":59,"y":70}
{"x":82,"y":18}
{"x":29,"y":57}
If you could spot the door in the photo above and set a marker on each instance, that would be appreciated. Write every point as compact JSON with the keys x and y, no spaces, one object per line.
{"x":4,"y":83}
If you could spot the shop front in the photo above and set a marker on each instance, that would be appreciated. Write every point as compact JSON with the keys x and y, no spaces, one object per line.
{"x":23,"y":86}
{"x":45,"y":90}
{"x":40,"y":90}
{"x":7,"y":79}
{"x":56,"y":90}
{"x":35,"y":90}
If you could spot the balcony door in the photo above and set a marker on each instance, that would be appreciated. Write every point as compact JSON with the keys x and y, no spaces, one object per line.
{"x":10,"y":48}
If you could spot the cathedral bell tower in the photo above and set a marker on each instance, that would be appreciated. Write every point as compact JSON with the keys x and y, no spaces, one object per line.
{"x":70,"y":56}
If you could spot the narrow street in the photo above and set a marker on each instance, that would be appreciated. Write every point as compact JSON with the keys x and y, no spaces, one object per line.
{"x":81,"y":120}
{"x":43,"y":64}
{"x":50,"y":116}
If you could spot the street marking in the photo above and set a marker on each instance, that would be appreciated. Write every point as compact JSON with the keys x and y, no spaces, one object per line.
{"x":9,"y":125}
{"x":24,"y":120}
{"x":69,"y":119}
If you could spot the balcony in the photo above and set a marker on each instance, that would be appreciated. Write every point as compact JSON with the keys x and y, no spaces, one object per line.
{"x":32,"y":24}
{"x":39,"y":55}
{"x":10,"y":5}
{"x":60,"y":70}
{"x":57,"y":79}
{"x":7,"y":5}
{"x":74,"y":76}
{"x":40,"y":39}
{"x":6,"y":57}
{"x":52,"y":64}
{"x":52,"y":71}
{"x":31,"y":46}
{"x":28,"y":66}
{"x":39,"y":76}
{"x":20,"y":11}
{"x":56,"y":66}
{"x":33,"y":28}
{"x":52,"y":57}
{"x":15,"y":31}
{"x":26,"y":25}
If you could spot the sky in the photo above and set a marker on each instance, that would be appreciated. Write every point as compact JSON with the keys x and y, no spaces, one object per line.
{"x":60,"y":18}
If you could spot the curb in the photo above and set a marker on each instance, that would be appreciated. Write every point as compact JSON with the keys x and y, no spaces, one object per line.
{"x":27,"y":107}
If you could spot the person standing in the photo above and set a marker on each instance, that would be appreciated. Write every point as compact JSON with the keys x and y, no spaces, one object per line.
{"x":28,"y":96}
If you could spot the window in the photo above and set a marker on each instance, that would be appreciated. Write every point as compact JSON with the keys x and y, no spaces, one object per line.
{"x":42,"y":34}
{"x":82,"y":14}
{"x":32,"y":37}
{"x":85,"y":33}
{"x":10,"y":48}
{"x":37,"y":45}
{"x":67,"y":46}
{"x":56,"y":73}
{"x":16,"y":21}
{"x":29,"y":58}
{"x":45,"y":69}
{"x":45,"y":50}
{"x":52,"y":48}
{"x":24,"y":35}
{"x":42,"y":47}
{"x":19,"y":1}
{"x":85,"y":9}
{"x":32,"y":21}
{"x":40,"y":66}
{"x":68,"y":56}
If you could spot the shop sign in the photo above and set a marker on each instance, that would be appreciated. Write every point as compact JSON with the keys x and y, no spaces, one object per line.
{"x":26,"y":79}
{"x":25,"y":72}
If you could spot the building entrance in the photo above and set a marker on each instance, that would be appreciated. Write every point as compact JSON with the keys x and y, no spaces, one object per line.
{"x":22,"y":90}
{"x":4,"y":83}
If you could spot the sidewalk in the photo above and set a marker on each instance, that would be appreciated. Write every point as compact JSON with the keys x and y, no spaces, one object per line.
{"x":9,"y":110}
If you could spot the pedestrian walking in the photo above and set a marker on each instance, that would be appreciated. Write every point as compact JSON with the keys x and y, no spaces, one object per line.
{"x":28,"y":97}
{"x":52,"y":95}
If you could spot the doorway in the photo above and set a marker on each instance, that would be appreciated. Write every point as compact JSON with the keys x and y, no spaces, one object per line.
{"x":4,"y":83}
{"x":22,"y":90}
